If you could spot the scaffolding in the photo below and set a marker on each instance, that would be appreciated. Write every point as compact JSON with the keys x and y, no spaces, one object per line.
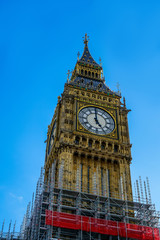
{"x":11,"y":234}
{"x":59,"y":213}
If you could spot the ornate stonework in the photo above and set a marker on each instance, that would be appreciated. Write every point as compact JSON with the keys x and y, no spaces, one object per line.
{"x":85,"y":161}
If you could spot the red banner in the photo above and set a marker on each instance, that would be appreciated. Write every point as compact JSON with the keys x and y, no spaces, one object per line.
{"x":108,"y":227}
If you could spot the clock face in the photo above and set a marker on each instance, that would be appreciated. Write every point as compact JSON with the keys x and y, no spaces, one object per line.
{"x":96,"y":120}
{"x":53,"y":133}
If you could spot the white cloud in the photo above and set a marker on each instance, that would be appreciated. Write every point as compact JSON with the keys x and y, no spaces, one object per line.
{"x":19,"y":198}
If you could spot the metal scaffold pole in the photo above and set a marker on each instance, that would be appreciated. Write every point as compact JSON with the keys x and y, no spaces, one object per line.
{"x":14,"y":227}
{"x":2,"y":229}
{"x":149,"y":192}
{"x":9,"y":229}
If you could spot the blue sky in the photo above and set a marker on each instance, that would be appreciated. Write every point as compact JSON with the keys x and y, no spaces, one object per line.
{"x":39,"y":41}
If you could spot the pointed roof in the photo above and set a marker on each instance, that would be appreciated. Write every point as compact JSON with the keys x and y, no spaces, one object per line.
{"x":84,"y":79}
{"x":86,"y":57}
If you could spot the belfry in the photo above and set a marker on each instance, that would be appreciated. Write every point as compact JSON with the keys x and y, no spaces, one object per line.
{"x":85,"y":190}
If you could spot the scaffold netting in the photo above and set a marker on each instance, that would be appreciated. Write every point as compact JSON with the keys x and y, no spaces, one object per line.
{"x":102,"y":226}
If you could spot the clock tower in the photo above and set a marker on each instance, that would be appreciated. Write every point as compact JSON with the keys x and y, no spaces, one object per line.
{"x":85,"y":191}
{"x":88,"y":138}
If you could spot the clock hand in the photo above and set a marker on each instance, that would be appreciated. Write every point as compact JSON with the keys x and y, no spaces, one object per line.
{"x":95,"y":114}
{"x":96,"y":119}
{"x":99,"y":124}
{"x":102,"y":129}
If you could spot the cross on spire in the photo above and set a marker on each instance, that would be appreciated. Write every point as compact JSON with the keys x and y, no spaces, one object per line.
{"x":86,"y":39}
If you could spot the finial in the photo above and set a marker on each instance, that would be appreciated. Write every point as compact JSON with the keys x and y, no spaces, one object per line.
{"x":59,"y":98}
{"x":124,"y":101}
{"x":86,"y":39}
{"x":68,"y":73}
{"x":118,"y":87}
{"x":100,"y":61}
{"x":78,"y":54}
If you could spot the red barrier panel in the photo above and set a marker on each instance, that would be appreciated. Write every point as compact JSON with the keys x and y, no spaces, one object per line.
{"x":90,"y":224}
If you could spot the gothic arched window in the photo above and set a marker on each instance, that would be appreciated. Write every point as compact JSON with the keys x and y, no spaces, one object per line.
{"x":90,"y":142}
{"x":77,"y":140}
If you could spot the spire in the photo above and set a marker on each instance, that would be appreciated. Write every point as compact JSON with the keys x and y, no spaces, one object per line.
{"x":86,"y":57}
{"x":87,"y":73}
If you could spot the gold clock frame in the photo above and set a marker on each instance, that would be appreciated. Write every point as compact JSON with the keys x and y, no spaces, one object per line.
{"x":111,"y":111}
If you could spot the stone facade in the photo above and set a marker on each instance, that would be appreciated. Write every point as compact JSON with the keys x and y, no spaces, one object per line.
{"x":88,"y":162}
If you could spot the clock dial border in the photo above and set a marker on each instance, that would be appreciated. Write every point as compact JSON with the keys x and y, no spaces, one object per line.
{"x":101,"y":127}
{"x":111,"y":111}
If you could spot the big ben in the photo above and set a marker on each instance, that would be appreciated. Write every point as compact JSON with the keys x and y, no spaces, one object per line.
{"x":89,"y":136}
{"x":86,"y":191}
